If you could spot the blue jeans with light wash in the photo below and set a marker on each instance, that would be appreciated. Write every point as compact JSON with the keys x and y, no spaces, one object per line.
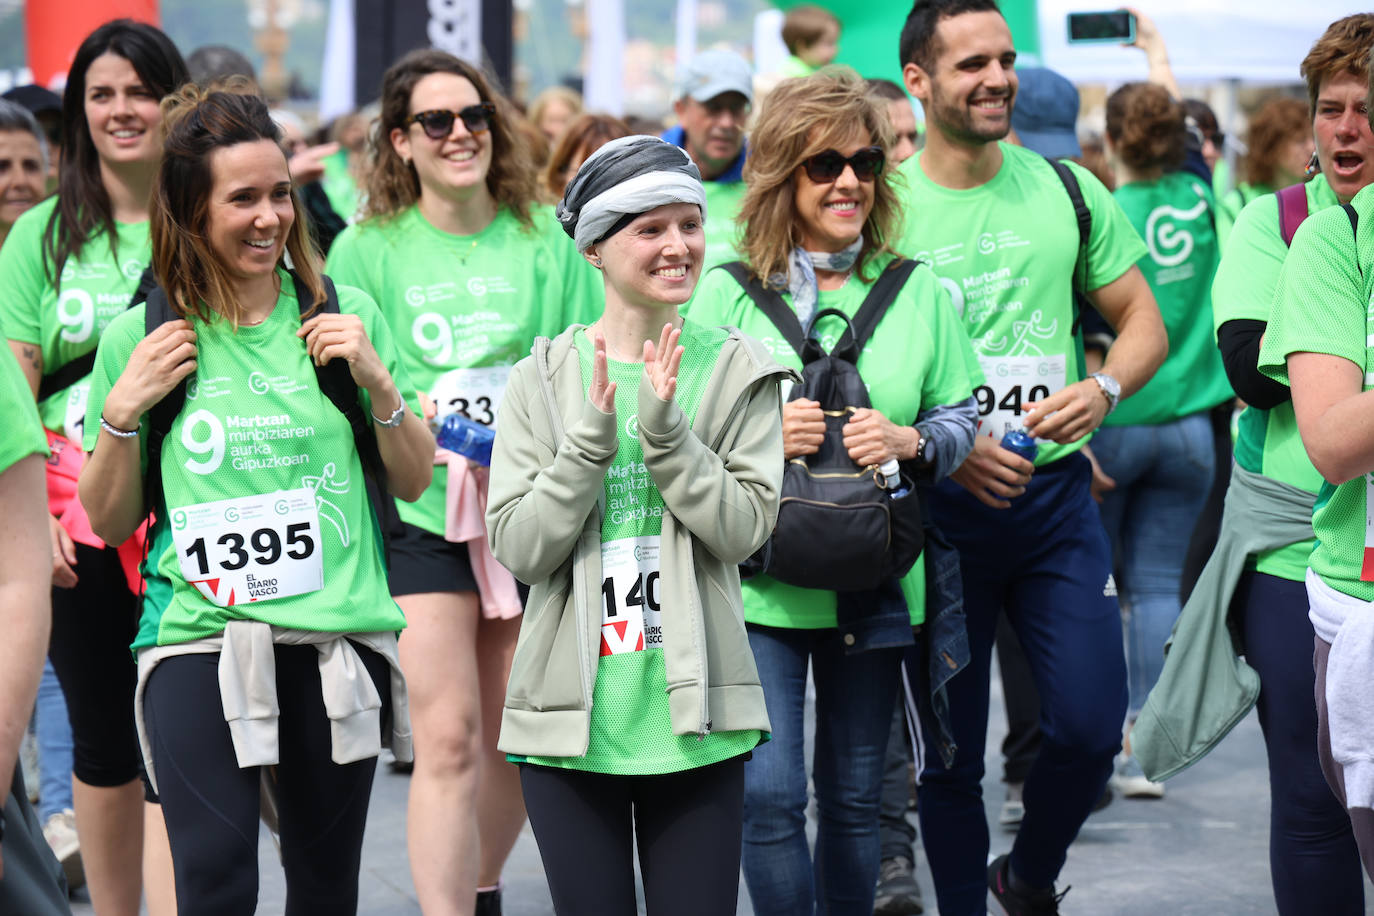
{"x":855,"y":696}
{"x":1163,"y":474}
{"x":54,"y":747}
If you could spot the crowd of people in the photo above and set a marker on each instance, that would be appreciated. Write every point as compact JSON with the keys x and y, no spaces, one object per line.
{"x":563,"y":460}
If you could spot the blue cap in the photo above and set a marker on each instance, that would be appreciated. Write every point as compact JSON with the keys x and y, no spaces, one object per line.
{"x":1045,"y":113}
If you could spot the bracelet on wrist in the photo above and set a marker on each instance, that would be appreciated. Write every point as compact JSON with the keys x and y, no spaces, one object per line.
{"x":396,"y":417}
{"x":116,"y":431}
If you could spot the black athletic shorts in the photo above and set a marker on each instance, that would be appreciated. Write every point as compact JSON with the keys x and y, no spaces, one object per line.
{"x":424,"y":562}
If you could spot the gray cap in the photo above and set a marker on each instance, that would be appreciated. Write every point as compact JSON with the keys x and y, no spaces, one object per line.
{"x":713,"y":72}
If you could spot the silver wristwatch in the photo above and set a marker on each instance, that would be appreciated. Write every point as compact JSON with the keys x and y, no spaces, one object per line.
{"x":1111,"y":388}
{"x":396,"y":417}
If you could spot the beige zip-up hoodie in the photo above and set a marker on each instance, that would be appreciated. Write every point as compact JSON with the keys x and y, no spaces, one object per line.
{"x":720,"y":479}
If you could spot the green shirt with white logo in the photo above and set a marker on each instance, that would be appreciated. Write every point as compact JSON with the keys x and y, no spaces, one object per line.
{"x":265,"y":513}
{"x":1267,"y":441}
{"x":465,"y":309}
{"x":1324,"y":304}
{"x":631,"y":728}
{"x":65,"y":319}
{"x":917,"y":358}
{"x":1174,"y":216}
{"x":1006,"y":251}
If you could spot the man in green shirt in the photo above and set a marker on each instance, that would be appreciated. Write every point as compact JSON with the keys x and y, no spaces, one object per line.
{"x":714,"y":95}
{"x":999,"y":228}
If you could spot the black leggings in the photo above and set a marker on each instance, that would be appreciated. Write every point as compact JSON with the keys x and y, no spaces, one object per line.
{"x":211,"y":804}
{"x":92,"y":627}
{"x":689,"y":827}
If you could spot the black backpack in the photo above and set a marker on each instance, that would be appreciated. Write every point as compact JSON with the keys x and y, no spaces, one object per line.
{"x":335,"y":381}
{"x":838,"y":528}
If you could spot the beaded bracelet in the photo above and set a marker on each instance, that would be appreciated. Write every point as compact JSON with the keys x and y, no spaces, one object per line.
{"x":116,"y":431}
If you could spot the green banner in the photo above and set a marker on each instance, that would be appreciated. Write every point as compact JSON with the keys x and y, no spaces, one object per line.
{"x":868,"y":40}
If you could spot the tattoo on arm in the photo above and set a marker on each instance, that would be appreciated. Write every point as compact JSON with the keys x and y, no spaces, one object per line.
{"x":31,"y":354}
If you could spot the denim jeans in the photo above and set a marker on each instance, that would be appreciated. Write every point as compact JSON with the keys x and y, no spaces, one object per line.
{"x":1163,"y":474}
{"x":54,"y":747}
{"x":855,"y":695}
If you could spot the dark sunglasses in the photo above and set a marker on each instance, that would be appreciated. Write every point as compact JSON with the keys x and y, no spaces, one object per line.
{"x":828,"y":165}
{"x":437,"y":123}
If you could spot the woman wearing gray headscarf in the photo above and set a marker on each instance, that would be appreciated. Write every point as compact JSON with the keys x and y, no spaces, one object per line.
{"x":637,"y":461}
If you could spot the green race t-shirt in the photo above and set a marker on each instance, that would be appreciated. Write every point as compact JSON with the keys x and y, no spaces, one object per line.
{"x":1173,"y":215}
{"x":23,"y":432}
{"x":465,"y":309}
{"x":266,"y":514}
{"x":95,"y":287}
{"x":631,"y":727}
{"x":340,"y":187}
{"x":1006,"y":252}
{"x":1267,"y":441}
{"x":917,"y":358}
{"x":1230,"y":205}
{"x":723,"y":199}
{"x":1324,"y":305}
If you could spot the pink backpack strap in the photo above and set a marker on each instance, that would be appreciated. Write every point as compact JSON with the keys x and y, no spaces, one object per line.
{"x":1292,"y":210}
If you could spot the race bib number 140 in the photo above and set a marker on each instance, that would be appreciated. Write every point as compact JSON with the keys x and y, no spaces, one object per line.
{"x":253,"y":548}
{"x":630,"y":619}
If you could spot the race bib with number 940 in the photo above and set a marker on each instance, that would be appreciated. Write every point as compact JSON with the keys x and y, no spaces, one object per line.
{"x":474,"y":393}
{"x":252,"y":548}
{"x":630,"y":619}
{"x":1010,"y":383}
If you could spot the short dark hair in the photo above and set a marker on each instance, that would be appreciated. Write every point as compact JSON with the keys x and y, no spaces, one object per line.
{"x":918,"y":45}
{"x":212,"y":65}
{"x":886,"y":90}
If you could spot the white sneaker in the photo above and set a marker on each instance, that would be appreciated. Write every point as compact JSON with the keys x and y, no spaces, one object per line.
{"x":60,"y":832}
{"x":1129,"y":779}
{"x":1013,"y":808}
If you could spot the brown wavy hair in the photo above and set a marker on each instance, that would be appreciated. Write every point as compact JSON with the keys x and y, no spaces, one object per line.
{"x":1343,"y":48}
{"x":1277,"y":123}
{"x":393,"y":185}
{"x":583,"y":136}
{"x":802,"y":117}
{"x":195,"y":123}
{"x":1147,"y":126}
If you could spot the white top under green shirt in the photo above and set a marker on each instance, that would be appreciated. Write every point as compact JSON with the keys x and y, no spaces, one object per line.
{"x":1267,"y":441}
{"x":1325,"y":304}
{"x":65,"y":317}
{"x":631,"y":729}
{"x":266,"y":515}
{"x":1005,"y":251}
{"x":465,"y":309}
{"x":917,"y":358}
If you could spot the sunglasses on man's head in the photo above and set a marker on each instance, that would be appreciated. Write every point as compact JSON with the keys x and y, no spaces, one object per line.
{"x":437,"y":123}
{"x":828,"y":165}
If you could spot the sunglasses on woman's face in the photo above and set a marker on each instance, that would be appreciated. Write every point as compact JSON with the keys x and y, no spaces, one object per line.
{"x":437,"y":123}
{"x":828,"y":165}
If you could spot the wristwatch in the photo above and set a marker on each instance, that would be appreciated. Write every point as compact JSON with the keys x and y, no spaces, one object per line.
{"x":1111,"y":388}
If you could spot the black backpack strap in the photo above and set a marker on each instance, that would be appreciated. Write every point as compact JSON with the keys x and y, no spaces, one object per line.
{"x":770,"y":303}
{"x":1355,"y":231}
{"x":879,"y":299}
{"x":67,"y":375}
{"x":336,"y":383}
{"x":160,"y":416}
{"x":1083,"y":216}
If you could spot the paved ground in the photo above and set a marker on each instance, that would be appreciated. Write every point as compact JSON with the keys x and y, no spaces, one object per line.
{"x":1202,"y":851}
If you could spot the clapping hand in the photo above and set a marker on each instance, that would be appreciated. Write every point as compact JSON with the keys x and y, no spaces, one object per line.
{"x":602,"y":392}
{"x":662,"y":362}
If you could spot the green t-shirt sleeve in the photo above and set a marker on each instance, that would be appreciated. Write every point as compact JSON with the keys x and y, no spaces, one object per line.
{"x":349,"y":262}
{"x":955,"y":372}
{"x":710,"y":303}
{"x":23,"y":277}
{"x":1251,"y":260}
{"x":1319,"y":306}
{"x":1113,"y":245}
{"x":111,"y":356}
{"x":23,"y":431}
{"x":579,"y":286}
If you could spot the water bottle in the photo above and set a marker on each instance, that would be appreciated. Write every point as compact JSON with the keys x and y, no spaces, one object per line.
{"x":892,"y":477}
{"x":467,"y":437}
{"x":1022,"y":443}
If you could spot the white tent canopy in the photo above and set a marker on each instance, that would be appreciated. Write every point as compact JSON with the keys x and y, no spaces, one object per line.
{"x":1260,"y":41}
